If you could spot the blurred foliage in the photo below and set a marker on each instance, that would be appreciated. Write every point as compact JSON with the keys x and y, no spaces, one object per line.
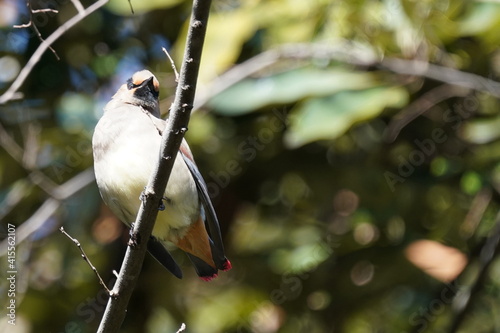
{"x":330,"y":226}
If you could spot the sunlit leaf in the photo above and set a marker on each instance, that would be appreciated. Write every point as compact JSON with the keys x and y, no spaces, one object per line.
{"x":224,"y":310}
{"x":253,"y":234}
{"x":288,"y":87}
{"x":481,"y":131}
{"x":300,"y":259}
{"x":226,"y":34}
{"x":161,"y":321}
{"x":483,"y":16}
{"x":330,"y":117}
{"x":123,"y":8}
{"x":289,"y":21}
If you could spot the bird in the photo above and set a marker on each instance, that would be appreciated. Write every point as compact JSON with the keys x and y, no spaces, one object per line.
{"x":126,"y":145}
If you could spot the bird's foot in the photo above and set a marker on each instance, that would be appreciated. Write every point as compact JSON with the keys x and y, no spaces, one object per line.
{"x":161,"y":207}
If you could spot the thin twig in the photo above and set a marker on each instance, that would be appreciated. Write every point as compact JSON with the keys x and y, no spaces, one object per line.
{"x":421,"y":105}
{"x":172,"y":63}
{"x":11,"y":92}
{"x":34,"y":223}
{"x":182,"y":328}
{"x":17,"y":192}
{"x":50,"y":206}
{"x":10,"y":145}
{"x":87,"y":260}
{"x":442,"y":74}
{"x":38,"y":178}
{"x":37,"y":32}
{"x":22,"y":26}
{"x":27,"y":159}
{"x":79,"y":7}
{"x":489,"y":251}
{"x":131,"y":8}
{"x":350,"y":54}
{"x":46,"y":10}
{"x":345,"y":52}
{"x":476,"y":212}
{"x":75,"y":184}
{"x":31,"y":132}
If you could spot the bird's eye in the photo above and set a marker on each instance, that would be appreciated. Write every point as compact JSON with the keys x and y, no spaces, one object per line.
{"x":131,"y":85}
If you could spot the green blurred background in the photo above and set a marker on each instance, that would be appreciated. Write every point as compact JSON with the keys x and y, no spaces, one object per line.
{"x":352,"y":198}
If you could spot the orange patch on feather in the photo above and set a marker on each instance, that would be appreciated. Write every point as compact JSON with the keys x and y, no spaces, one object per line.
{"x":196,"y":242}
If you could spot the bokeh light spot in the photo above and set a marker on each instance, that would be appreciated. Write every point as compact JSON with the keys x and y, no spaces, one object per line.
{"x":318,"y":300}
{"x":9,"y":68}
{"x":362,"y":273}
{"x":365,"y":233}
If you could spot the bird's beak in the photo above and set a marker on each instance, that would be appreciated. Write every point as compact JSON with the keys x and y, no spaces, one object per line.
{"x":151,"y":84}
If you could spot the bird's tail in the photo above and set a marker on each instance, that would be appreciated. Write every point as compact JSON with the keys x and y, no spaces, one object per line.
{"x":197,"y":244}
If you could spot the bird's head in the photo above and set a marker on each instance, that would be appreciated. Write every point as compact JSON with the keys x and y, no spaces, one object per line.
{"x":142,"y":89}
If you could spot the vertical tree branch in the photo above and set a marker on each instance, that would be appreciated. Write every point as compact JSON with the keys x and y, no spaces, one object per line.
{"x":171,"y":140}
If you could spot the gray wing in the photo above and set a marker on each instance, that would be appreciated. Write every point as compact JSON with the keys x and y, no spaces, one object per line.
{"x":209,"y":216}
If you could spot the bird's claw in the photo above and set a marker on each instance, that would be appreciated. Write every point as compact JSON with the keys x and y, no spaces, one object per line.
{"x":161,"y":207}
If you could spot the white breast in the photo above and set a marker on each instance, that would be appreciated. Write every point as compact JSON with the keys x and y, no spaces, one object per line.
{"x":126,"y":147}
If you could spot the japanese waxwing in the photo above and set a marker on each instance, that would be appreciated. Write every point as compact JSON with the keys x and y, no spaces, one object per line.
{"x":126,"y":145}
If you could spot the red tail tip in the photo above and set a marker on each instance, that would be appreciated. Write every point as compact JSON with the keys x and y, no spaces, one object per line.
{"x":227,"y":266}
{"x":208,"y":278}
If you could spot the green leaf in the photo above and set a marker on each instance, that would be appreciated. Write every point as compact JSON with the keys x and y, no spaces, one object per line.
{"x":253,"y":94}
{"x":122,"y":7}
{"x":329,"y":117}
{"x":471,"y":182}
{"x":232,"y":304}
{"x":480,"y":131}
{"x":227,"y":32}
{"x":483,"y":17}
